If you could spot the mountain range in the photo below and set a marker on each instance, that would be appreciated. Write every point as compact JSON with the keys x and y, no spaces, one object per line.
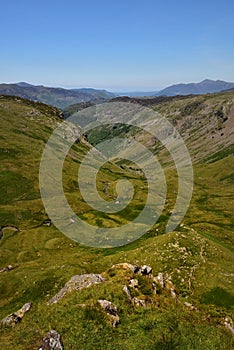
{"x":62,"y":98}
{"x":204,"y":87}
{"x":57,"y":97}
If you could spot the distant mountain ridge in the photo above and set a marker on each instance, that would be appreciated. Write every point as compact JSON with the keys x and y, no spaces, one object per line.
{"x":57,"y":97}
{"x":62,"y":98}
{"x":204,"y":87}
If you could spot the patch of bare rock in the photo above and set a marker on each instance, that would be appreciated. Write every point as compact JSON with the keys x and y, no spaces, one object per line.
{"x":52,"y":341}
{"x":111,"y":310}
{"x":77,"y":282}
{"x":17,"y":316}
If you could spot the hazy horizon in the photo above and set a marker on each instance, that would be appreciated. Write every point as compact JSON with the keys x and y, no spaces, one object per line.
{"x":114,"y":90}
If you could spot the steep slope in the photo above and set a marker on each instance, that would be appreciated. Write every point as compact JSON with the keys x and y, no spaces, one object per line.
{"x":206,"y":124}
{"x":57,"y":97}
{"x":196,"y":259}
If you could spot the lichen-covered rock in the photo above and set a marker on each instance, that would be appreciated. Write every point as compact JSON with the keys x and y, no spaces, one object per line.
{"x":111,"y":310}
{"x":52,"y":341}
{"x":17,"y":316}
{"x":76,"y":283}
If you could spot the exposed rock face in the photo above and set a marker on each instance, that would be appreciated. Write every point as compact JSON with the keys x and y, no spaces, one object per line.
{"x":52,"y":341}
{"x":75,"y":283}
{"x":17,"y":316}
{"x":111,"y":310}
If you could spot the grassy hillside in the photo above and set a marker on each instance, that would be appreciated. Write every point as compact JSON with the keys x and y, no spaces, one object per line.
{"x":196,"y":259}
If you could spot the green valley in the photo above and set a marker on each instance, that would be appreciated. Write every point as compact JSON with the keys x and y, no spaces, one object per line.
{"x":190,"y":307}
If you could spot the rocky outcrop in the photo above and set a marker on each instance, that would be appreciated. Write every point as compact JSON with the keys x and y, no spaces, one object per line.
{"x":77,"y":282}
{"x":17,"y":316}
{"x":154,"y":286}
{"x":52,"y":341}
{"x":143,"y":270}
{"x":111,"y":310}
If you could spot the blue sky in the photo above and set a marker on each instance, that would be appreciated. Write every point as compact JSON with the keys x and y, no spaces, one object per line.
{"x":117,"y":45}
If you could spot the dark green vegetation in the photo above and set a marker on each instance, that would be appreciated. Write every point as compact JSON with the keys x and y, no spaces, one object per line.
{"x":198,"y":256}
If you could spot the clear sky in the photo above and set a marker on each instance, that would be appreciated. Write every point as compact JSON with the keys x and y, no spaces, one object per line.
{"x":118,"y":45}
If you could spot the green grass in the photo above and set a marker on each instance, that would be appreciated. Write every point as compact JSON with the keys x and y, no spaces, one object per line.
{"x":219,"y":297}
{"x":197,"y":257}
